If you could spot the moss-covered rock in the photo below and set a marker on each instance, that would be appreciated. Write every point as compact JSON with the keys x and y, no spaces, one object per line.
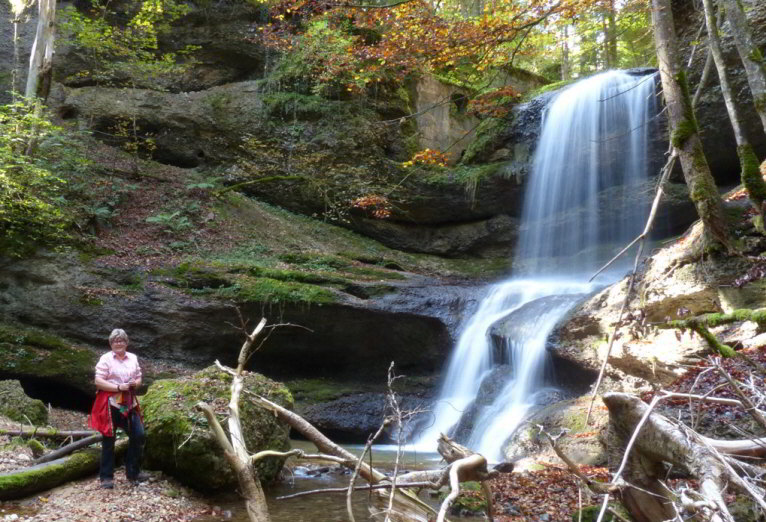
{"x":179,"y":441}
{"x":15,"y":404}
{"x":30,"y":352}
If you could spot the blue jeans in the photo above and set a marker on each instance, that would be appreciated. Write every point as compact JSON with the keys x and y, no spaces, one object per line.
{"x":133,"y":426}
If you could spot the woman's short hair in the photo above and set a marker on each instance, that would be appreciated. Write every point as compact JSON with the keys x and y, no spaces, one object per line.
{"x":118,"y":333}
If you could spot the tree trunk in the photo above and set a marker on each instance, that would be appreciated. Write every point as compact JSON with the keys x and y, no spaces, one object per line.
{"x":566,"y":67}
{"x":28,"y":481}
{"x":50,"y":433}
{"x":611,"y":35}
{"x":41,"y":58}
{"x":750,"y":174}
{"x":750,"y":54}
{"x":684,"y":129}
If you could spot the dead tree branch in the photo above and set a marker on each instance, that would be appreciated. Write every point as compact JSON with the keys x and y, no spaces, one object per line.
{"x":655,"y":440}
{"x":235,"y":450}
{"x":69,"y":448}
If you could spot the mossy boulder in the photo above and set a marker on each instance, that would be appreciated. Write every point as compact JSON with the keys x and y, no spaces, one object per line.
{"x":15,"y":404}
{"x":27,"y":352}
{"x":179,"y":441}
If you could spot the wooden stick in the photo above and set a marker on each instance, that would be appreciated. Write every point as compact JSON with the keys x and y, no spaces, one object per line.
{"x":69,"y":448}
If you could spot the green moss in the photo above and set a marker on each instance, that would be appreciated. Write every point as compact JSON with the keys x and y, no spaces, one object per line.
{"x":30,"y":352}
{"x":682,"y":132}
{"x":267,"y":290}
{"x":311,"y":391}
{"x":303,"y":107}
{"x":576,"y":422}
{"x":36,"y":446}
{"x":20,"y":335}
{"x":760,"y":103}
{"x":18,"y":485}
{"x":548,"y":88}
{"x":755,"y":55}
{"x":698,"y":325}
{"x":15,"y":404}
{"x":470,"y":500}
{"x":488,"y":136}
{"x":180,"y":439}
{"x":713,"y":320}
{"x":315,"y":261}
{"x":703,"y":190}
{"x":751,"y":174}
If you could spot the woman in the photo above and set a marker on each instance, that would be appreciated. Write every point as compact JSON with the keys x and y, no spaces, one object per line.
{"x":118,"y":375}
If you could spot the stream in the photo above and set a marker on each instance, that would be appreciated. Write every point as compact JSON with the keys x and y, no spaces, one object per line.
{"x":328,"y":507}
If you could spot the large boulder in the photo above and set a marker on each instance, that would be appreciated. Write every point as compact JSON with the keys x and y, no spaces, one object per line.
{"x":583,"y":443}
{"x":179,"y":441}
{"x":49,"y":366}
{"x":675,"y":283}
{"x":16,"y":405}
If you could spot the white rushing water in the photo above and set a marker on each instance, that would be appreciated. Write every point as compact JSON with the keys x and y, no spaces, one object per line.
{"x":581,"y":197}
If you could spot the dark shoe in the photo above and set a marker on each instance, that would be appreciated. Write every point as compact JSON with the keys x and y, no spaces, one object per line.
{"x":141,"y":477}
{"x":107,"y":484}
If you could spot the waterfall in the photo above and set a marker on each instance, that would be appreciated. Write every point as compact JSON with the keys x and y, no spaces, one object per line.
{"x":581,"y":205}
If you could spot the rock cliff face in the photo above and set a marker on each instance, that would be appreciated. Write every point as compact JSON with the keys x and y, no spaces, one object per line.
{"x":314,"y":156}
{"x":673,"y":284}
{"x":717,"y":135}
{"x":349,"y":338}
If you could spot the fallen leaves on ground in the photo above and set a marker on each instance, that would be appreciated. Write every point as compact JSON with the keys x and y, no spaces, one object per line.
{"x":712,"y":419}
{"x":549,"y":494}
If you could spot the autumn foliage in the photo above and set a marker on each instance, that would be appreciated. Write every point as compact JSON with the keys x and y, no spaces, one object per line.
{"x":365,"y":45}
{"x":428,"y":157}
{"x":374,"y":205}
{"x":493,"y":104}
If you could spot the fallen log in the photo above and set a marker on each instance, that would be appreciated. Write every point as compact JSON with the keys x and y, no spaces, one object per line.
{"x":34,"y":479}
{"x":659,"y":441}
{"x":51,"y":433}
{"x":69,"y":448}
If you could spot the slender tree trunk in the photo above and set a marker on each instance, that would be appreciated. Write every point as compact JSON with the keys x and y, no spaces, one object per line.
{"x":565,"y":65}
{"x":683,"y":125}
{"x":41,"y":59}
{"x":15,"y":71}
{"x":607,"y":63}
{"x":751,"y":176}
{"x":611,"y":34}
{"x":751,"y":56}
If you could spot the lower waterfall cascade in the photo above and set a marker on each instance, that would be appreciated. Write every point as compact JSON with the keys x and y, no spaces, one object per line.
{"x":580,"y":207}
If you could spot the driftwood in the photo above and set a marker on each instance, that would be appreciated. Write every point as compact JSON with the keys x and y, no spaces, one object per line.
{"x":464,"y":465}
{"x":34,"y":479}
{"x":235,"y":449}
{"x":69,"y":448}
{"x":645,"y":441}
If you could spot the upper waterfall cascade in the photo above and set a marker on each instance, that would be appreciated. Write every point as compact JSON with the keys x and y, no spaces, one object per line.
{"x":580,"y":205}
